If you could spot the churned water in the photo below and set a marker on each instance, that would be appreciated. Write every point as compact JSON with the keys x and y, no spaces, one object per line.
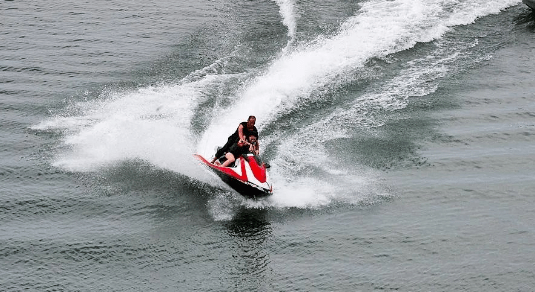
{"x":400,"y":134}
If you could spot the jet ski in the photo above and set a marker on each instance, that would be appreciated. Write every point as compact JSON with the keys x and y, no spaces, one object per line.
{"x":247,"y":176}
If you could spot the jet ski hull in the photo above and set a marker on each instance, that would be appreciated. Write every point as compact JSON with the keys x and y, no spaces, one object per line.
{"x":247,"y":177}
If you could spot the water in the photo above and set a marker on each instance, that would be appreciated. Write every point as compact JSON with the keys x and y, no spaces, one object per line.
{"x":400,"y":135}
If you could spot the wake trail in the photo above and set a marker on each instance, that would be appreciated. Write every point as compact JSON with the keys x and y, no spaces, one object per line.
{"x":154,"y":124}
{"x":379,"y":29}
{"x":288,"y":14}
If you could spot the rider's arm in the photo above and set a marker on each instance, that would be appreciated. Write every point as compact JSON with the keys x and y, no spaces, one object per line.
{"x":254,"y":148}
{"x":240,"y":133}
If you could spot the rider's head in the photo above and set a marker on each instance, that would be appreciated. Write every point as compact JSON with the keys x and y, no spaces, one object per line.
{"x":251,"y":121}
{"x":252,"y":139}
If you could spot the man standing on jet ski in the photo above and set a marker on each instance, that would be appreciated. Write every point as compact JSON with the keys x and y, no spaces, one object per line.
{"x":244,"y":130}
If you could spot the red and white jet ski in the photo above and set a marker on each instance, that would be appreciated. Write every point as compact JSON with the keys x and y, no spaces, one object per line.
{"x":247,"y":176}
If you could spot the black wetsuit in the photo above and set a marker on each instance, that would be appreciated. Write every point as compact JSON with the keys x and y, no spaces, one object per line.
{"x":234,"y":138}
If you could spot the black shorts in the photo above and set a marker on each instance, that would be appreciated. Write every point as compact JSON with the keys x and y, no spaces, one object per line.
{"x":237,"y":151}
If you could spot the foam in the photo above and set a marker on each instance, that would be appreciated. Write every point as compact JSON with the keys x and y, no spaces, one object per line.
{"x":380,"y":28}
{"x":150,"y":124}
{"x":154,"y":123}
{"x":287,"y":11}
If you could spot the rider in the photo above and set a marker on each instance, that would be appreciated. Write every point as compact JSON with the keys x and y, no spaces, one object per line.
{"x":239,"y":148}
{"x":242,"y":132}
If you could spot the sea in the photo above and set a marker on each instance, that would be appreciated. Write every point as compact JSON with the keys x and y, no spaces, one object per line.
{"x":400,"y":135}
